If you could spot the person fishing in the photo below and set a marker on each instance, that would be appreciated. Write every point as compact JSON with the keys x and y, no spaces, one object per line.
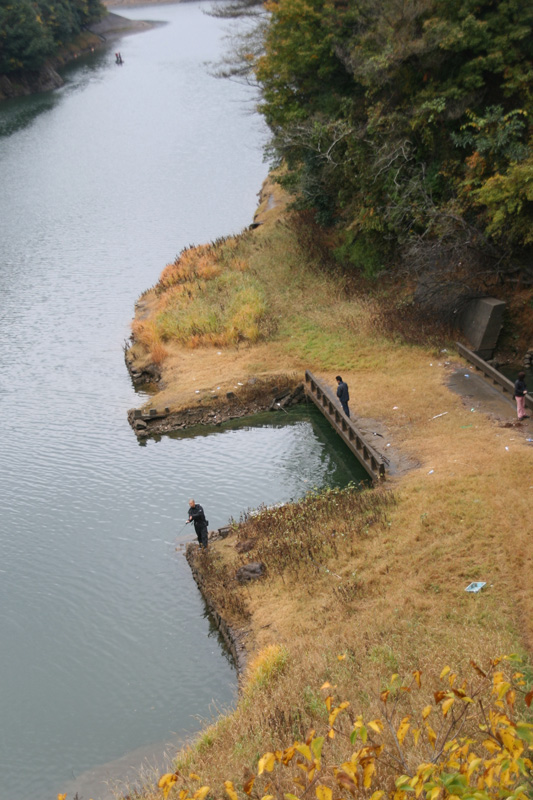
{"x":197,"y":517}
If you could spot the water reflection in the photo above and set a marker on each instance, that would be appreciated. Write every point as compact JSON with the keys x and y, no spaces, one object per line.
{"x":20,"y":112}
{"x":298,"y":426}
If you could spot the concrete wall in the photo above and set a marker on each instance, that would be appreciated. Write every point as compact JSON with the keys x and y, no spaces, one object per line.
{"x":481,"y":323}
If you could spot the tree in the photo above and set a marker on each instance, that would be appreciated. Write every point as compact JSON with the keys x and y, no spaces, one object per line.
{"x":32,"y":30}
{"x":397,"y":117}
{"x":25,"y":40}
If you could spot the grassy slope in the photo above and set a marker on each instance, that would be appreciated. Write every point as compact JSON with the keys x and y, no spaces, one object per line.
{"x":402,"y":603}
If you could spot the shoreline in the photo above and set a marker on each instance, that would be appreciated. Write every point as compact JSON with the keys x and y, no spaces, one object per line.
{"x":234,"y":636}
{"x":114,"y":25}
{"x":96,"y":36}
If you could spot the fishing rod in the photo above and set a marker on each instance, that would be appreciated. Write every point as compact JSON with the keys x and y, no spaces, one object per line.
{"x":182,"y":528}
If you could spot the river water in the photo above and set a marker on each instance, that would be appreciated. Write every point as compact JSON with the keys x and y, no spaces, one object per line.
{"x":107,"y":654}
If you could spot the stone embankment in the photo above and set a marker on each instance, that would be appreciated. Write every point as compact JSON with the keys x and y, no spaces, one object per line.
{"x":270,"y":398}
{"x":235,"y":638}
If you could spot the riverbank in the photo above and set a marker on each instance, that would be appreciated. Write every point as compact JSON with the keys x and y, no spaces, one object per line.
{"x":351,"y":590}
{"x":46,"y":79}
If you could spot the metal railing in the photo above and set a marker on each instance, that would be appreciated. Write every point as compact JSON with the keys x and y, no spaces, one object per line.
{"x":323,"y":398}
{"x":499,"y":380}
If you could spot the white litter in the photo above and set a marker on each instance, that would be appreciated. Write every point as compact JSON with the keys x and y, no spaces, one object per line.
{"x":197,"y":391}
{"x":467,"y":375}
{"x":394,"y":408}
{"x":476,"y":586}
{"x":219,"y":353}
{"x":240,"y":384}
{"x":431,"y":471}
{"x":507,"y":448}
{"x":439,"y":415}
{"x":387,"y":445}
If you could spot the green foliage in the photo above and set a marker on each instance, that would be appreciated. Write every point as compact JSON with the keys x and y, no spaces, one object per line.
{"x":365,"y":253}
{"x":25,"y":40}
{"x":32,"y":30}
{"x":396,"y":118}
{"x":508,"y":200}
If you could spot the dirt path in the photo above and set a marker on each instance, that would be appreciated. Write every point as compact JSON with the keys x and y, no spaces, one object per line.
{"x":481,"y":396}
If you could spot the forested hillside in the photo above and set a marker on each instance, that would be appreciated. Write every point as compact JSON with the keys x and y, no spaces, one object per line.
{"x":33,"y":30}
{"x":406,"y":126}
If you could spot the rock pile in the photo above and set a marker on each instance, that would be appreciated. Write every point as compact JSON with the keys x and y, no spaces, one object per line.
{"x":528,"y":358}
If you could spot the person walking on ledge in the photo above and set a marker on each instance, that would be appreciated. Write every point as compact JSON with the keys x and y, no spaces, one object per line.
{"x":197,"y":517}
{"x":520,"y":391}
{"x":343,"y":395}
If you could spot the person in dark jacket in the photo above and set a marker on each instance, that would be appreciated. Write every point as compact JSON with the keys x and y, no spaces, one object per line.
{"x":520,"y":391}
{"x":343,"y":395}
{"x":197,"y":517}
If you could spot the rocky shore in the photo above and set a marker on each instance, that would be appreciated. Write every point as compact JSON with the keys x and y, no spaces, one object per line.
{"x":30,"y":82}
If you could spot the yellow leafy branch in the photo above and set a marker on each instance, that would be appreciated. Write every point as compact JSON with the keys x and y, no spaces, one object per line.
{"x":494,"y":761}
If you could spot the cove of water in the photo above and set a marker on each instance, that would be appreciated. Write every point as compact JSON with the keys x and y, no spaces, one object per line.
{"x":107,"y":653}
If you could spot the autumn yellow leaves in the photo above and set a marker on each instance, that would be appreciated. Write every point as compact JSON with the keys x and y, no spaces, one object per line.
{"x":468,"y":742}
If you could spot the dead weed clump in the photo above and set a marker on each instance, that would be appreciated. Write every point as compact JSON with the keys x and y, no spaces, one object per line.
{"x":300,"y":537}
{"x":146,"y":333}
{"x":268,"y":387}
{"x":221,"y":587}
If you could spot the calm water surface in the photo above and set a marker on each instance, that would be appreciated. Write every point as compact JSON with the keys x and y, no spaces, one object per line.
{"x":106,"y":651}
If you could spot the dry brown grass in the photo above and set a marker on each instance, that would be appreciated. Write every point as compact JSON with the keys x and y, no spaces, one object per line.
{"x":391,"y":597}
{"x":409,"y":611}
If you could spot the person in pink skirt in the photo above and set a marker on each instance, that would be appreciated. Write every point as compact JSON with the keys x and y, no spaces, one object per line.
{"x":520,"y":391}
